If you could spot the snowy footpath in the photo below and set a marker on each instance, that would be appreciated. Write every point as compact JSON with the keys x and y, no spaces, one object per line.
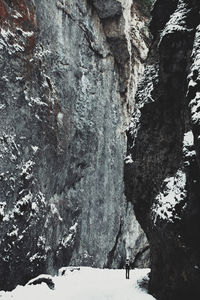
{"x":85,"y":284}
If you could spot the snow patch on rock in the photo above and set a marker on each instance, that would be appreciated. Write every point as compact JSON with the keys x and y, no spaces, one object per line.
{"x":143,"y":96}
{"x":195,"y":109}
{"x":188,"y":145}
{"x":128,"y":159}
{"x":2,"y":209}
{"x":174,"y":188}
{"x":173,"y":192}
{"x":70,"y":237}
{"x":194,"y":79}
{"x":177,"y":20}
{"x":6,"y":37}
{"x":27,"y":168}
{"x":134,"y":26}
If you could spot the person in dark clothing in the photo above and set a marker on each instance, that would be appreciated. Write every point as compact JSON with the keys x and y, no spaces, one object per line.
{"x":127,"y":268}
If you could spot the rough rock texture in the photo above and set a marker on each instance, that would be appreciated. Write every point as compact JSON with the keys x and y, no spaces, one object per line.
{"x":162,"y":175}
{"x":65,"y":87}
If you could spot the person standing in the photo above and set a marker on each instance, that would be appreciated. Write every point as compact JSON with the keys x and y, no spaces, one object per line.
{"x":127,"y":268}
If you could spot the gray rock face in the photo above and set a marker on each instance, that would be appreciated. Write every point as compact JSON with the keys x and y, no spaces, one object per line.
{"x":162,"y":173}
{"x":107,"y":8}
{"x":64,"y":89}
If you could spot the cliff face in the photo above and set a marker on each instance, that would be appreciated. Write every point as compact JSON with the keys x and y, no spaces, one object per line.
{"x":66,"y":88}
{"x":162,"y":171}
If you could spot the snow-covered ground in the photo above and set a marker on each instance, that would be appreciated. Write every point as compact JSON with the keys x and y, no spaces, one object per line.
{"x":86,"y":284}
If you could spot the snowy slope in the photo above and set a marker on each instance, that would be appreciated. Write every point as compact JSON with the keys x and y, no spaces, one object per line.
{"x":86,"y":284}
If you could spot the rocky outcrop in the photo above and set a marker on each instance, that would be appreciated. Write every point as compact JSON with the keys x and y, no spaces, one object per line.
{"x":66,"y":69}
{"x":162,"y":170}
{"x":107,"y":9}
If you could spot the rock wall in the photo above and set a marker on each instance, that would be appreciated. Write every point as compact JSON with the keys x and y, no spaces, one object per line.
{"x":66,"y":86}
{"x":162,"y":172}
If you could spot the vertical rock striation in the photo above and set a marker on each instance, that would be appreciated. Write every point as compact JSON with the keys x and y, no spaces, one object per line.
{"x":162,"y":176}
{"x":66,"y":73}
